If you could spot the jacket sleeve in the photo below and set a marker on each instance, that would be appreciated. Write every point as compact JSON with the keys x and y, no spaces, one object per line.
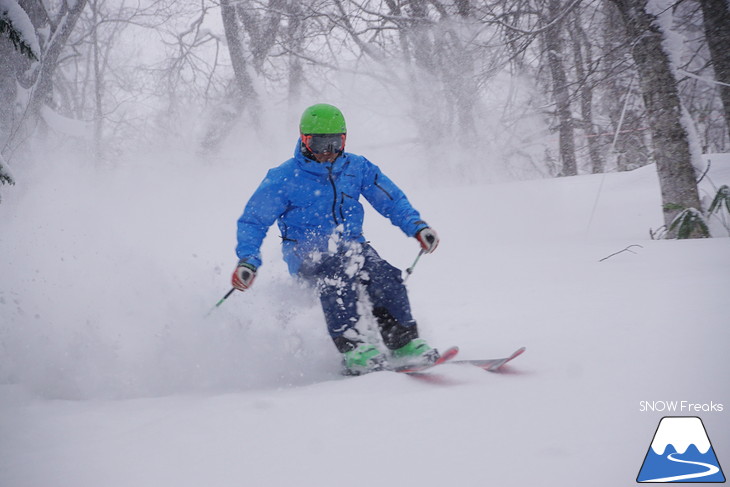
{"x":390,"y":201}
{"x":263,"y":208}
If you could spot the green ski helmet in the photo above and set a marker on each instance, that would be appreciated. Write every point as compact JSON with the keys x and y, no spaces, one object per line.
{"x":323,"y":129}
{"x":322,"y":119}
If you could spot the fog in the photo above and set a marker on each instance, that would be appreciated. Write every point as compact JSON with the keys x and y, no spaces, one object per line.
{"x":118,"y":234}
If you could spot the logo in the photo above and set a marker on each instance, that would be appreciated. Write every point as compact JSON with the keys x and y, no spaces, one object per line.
{"x":680,"y":452}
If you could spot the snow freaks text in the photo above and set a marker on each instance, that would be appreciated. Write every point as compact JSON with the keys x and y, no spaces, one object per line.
{"x":680,"y":407}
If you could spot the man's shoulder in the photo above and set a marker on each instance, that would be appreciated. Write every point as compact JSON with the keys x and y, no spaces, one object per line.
{"x":283,"y":169}
{"x":355,"y":157}
{"x":356,"y":160}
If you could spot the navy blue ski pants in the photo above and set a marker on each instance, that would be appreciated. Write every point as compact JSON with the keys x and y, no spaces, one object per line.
{"x":338,"y":277}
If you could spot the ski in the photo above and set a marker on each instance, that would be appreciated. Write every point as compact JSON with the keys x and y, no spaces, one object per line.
{"x":446,"y":356}
{"x":491,"y":365}
{"x":494,"y":364}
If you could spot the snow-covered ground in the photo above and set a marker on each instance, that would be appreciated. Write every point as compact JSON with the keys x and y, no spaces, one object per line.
{"x":111,"y":375}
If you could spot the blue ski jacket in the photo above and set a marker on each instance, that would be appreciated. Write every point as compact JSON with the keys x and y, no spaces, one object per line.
{"x":316,"y":204}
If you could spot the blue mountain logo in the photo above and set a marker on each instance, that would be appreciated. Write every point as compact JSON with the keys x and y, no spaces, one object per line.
{"x":680,"y":452}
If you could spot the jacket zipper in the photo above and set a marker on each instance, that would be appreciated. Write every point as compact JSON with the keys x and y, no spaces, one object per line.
{"x":342,"y":204}
{"x":334,"y":195}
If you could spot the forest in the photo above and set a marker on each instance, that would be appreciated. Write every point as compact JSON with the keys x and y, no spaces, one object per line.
{"x":547,"y":88}
{"x":573,"y":156}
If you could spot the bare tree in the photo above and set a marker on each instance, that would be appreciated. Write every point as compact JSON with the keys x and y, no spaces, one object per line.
{"x":620,"y":106}
{"x":561,"y":92}
{"x":659,"y":89}
{"x":584,"y":70}
{"x":14,"y":62}
{"x":294,"y":45}
{"x":716,"y":15}
{"x":440,"y":56}
{"x":39,"y":80}
{"x":698,"y":88}
{"x":234,"y":37}
{"x":62,"y":29}
{"x":15,"y":51}
{"x":251,"y":31}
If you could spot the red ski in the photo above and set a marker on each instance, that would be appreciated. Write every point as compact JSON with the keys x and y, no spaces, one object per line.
{"x":493,"y":364}
{"x":446,"y":356}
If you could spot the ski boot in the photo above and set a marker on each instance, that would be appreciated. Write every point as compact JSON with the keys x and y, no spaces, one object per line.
{"x":415,"y":352}
{"x":363,"y":359}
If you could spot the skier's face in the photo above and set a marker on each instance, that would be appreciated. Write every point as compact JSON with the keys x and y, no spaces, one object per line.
{"x":324,"y":147}
{"x":326,"y":156}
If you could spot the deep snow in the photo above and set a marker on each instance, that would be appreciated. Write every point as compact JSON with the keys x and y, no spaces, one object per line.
{"x":111,"y":376}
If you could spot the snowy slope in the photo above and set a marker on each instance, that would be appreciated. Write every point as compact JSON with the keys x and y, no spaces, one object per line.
{"x":111,"y":376}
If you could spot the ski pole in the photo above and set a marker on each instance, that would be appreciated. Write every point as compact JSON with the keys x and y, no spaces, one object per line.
{"x":409,"y":271}
{"x":221,"y":300}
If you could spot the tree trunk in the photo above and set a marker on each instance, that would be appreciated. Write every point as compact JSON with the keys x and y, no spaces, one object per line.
{"x":583,"y":61}
{"x":43,"y":91}
{"x":98,"y":82}
{"x":294,"y":39}
{"x":235,"y":49}
{"x":464,"y":84}
{"x":659,"y":90}
{"x":716,"y":15}
{"x":423,"y":55}
{"x":10,"y":59}
{"x":241,"y":93}
{"x":262,"y":28}
{"x":561,"y":94}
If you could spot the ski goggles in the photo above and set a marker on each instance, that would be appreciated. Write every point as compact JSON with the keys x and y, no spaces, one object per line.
{"x":321,"y":143}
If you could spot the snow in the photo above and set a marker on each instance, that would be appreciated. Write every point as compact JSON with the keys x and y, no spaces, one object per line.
{"x":14,"y":13}
{"x":110,"y":375}
{"x":688,"y":430}
{"x":65,"y":125}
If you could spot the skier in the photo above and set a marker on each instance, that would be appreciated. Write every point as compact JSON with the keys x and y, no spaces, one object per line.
{"x":314,"y":198}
